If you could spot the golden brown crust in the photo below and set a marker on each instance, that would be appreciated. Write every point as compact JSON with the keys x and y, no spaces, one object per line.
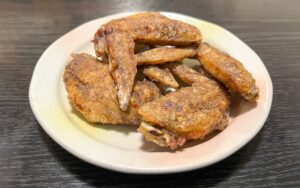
{"x":187,"y":74}
{"x":191,"y":76}
{"x":109,"y":93}
{"x":228,"y":70}
{"x":162,"y":75}
{"x":191,"y":111}
{"x":91,"y":90}
{"x":122,"y":65}
{"x":188,"y":113}
{"x":144,"y":92}
{"x":162,"y":55}
{"x":150,"y":28}
{"x":116,"y":40}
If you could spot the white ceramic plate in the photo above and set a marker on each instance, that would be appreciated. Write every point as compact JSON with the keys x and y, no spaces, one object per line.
{"x":121,"y":148}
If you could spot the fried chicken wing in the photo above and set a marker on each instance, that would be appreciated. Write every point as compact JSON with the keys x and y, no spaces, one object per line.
{"x":162,"y":55}
{"x":150,"y":28}
{"x":110,"y":90}
{"x":229,"y":71}
{"x":117,"y":38}
{"x":91,"y":90}
{"x":162,"y":75}
{"x":122,"y":65}
{"x":189,"y":113}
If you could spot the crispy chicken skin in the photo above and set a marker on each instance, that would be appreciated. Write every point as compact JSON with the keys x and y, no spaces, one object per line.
{"x":122,"y":65}
{"x":187,"y":74}
{"x":229,"y":71}
{"x":144,"y":92}
{"x":191,"y":76}
{"x":162,"y":55}
{"x":112,"y":89}
{"x":117,"y":38}
{"x":190,"y":113}
{"x":159,"y":55}
{"x":91,"y":91}
{"x":162,"y":75}
{"x":150,"y":28}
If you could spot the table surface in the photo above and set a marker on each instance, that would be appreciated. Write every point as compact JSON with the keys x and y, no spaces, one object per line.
{"x":29,"y":157}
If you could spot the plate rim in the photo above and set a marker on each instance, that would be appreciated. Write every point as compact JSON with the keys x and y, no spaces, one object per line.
{"x":122,"y":168}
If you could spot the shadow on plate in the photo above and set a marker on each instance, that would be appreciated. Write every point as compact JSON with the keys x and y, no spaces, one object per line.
{"x":90,"y":175}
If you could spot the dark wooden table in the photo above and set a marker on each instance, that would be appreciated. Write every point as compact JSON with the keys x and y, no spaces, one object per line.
{"x":29,"y":157}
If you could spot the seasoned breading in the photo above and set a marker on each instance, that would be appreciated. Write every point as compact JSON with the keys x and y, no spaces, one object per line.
{"x":144,"y":92}
{"x":150,"y":28}
{"x":91,"y":91}
{"x":191,"y":76}
{"x":191,"y":112}
{"x":111,"y":90}
{"x":228,"y":70}
{"x":162,"y":55}
{"x":162,"y":75}
{"x":117,"y":38}
{"x":178,"y":110}
{"x":122,"y":65}
{"x":144,"y":55}
{"x":187,"y":74}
